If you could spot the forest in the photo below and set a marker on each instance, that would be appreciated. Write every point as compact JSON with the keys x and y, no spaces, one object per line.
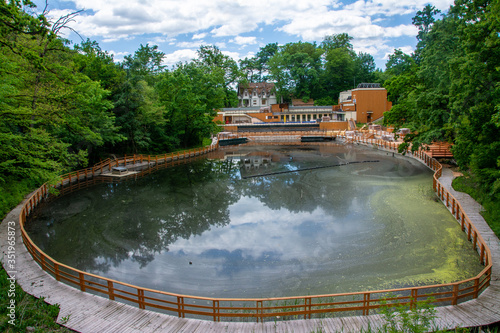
{"x":64,"y":106}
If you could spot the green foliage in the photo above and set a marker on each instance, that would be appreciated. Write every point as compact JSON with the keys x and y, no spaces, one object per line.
{"x":61,"y":107}
{"x":190,"y":94}
{"x":403,"y":319}
{"x":303,"y":69}
{"x":13,"y":191}
{"x":296,"y":67}
{"x":449,"y":89}
{"x":471,"y":186}
{"x":217,"y":63}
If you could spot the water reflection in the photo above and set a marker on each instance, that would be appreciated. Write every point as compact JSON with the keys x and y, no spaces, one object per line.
{"x":203,"y":228}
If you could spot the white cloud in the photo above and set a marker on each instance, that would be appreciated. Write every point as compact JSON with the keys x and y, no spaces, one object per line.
{"x":406,"y":49}
{"x":118,"y":56}
{"x":308,"y":19}
{"x":314,"y":26}
{"x":222,"y":22}
{"x":234,"y":55}
{"x":199,"y":36}
{"x":159,"y":40}
{"x":250,"y":227}
{"x":244,"y":40}
{"x":184,"y":55}
{"x":195,"y":44}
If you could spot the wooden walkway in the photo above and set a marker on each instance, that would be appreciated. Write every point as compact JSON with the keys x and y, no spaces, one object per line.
{"x":84,"y":312}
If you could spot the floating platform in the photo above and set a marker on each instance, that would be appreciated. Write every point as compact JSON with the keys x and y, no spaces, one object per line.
{"x":234,"y":141}
{"x":119,"y":175}
{"x":317,"y":138}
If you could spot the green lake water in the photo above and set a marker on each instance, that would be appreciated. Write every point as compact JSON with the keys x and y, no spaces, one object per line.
{"x":264,"y":221}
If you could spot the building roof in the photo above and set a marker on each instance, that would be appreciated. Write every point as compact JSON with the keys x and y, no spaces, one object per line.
{"x":259,"y":86}
{"x":369,"y":85}
{"x":300,"y":102}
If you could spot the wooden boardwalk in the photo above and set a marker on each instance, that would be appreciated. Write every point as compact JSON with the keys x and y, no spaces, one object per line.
{"x":84,"y":312}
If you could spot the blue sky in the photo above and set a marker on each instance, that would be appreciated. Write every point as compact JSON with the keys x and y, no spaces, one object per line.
{"x":240,"y":27}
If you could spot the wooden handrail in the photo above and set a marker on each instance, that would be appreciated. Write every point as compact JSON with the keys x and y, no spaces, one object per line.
{"x":261,"y":308}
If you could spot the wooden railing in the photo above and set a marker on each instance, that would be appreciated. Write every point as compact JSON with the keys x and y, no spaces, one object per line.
{"x":276,"y":308}
{"x":107,"y":165}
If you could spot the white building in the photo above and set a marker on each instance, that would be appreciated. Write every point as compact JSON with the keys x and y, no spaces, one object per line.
{"x":254,"y":95}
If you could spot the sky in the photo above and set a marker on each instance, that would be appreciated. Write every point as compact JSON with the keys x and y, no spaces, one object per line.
{"x":239,"y":28}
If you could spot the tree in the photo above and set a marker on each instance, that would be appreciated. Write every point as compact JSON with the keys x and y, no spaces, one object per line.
{"x":296,"y":68}
{"x":256,"y":69}
{"x":145,"y":64}
{"x":190,"y":94}
{"x":364,"y":67}
{"x":45,"y":95}
{"x":262,"y":60}
{"x":339,"y":41}
{"x":51,"y":114}
{"x":214,"y":60}
{"x":98,"y":65}
{"x":249,"y":70}
{"x":339,"y":73}
{"x":424,"y":21}
{"x":475,"y":92}
{"x":342,"y":67}
{"x":399,"y":63}
{"x":137,"y":110}
{"x":451,"y":92}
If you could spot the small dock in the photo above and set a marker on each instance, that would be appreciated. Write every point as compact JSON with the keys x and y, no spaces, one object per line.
{"x":317,"y":138}
{"x":120,"y":172}
{"x":234,"y":141}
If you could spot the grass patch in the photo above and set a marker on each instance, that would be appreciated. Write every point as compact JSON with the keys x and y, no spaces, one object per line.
{"x":491,"y":214}
{"x":13,"y":192}
{"x":31,"y":314}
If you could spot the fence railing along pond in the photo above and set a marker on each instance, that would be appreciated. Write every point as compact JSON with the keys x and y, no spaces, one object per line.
{"x":259,"y":309}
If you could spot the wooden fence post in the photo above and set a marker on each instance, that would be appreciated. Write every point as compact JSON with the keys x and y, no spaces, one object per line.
{"x":481,"y":259}
{"x":366,"y":304}
{"x":476,"y":288}
{"x":111,"y":292}
{"x":260,"y":311}
{"x":307,"y":307}
{"x":140,"y":298}
{"x":180,"y":306}
{"x":413,"y":299}
{"x":455,"y":294}
{"x":216,"y":310}
{"x":82,"y":281}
